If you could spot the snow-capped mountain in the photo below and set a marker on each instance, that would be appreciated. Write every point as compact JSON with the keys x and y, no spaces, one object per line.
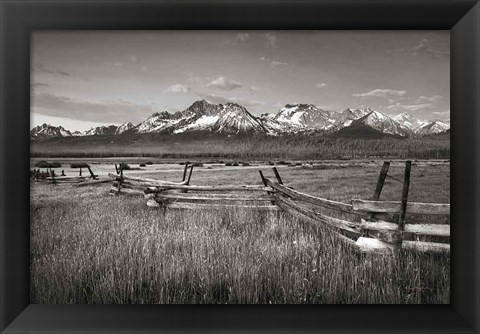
{"x":203,"y":116}
{"x":45,"y":131}
{"x":232,"y":118}
{"x":434,"y":127}
{"x":236,"y":119}
{"x":408,"y":122}
{"x":101,"y":131}
{"x":382,"y":123}
{"x":124,"y":127}
{"x":305,"y":117}
{"x":157,"y":122}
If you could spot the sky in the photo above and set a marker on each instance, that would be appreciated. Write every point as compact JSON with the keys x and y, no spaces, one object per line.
{"x":81,"y":79}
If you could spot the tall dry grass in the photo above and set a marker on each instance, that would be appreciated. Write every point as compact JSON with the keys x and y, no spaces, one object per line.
{"x":91,"y":248}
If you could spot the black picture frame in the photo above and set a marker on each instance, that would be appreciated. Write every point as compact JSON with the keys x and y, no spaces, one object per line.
{"x":20,"y":17}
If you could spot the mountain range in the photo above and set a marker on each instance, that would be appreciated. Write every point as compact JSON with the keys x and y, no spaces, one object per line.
{"x":232,"y":118}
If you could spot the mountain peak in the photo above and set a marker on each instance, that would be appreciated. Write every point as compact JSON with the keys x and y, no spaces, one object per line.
{"x":199,"y":105}
{"x":163,"y":114}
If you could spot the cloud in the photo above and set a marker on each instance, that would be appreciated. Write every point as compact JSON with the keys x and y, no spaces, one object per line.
{"x":442,"y":113}
{"x":247,"y":103}
{"x":41,"y":68}
{"x":409,"y":107}
{"x":254,"y":89}
{"x":241,"y":37}
{"x":107,"y":111}
{"x":217,"y":99}
{"x":423,"y":47}
{"x":381,"y":93}
{"x":225,"y":84}
{"x":176,"y":88}
{"x":320,"y":85}
{"x":271,"y":40}
{"x":134,"y":59}
{"x":143,"y":68}
{"x":425,"y":99}
{"x":273,"y":63}
{"x":118,"y":64}
{"x":39,"y":84}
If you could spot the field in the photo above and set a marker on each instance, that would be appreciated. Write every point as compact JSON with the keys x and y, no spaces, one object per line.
{"x":90,"y":247}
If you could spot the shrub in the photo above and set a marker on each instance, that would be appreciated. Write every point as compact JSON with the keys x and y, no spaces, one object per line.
{"x":235,"y":163}
{"x":125,"y":166}
{"x":197,"y":164}
{"x":149,"y":163}
{"x":228,"y":164}
{"x":46,"y":164}
{"x":143,"y":165}
{"x":245,"y":164}
{"x":78,"y":165}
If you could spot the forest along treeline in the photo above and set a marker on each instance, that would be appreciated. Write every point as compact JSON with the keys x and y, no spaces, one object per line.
{"x":245,"y":147}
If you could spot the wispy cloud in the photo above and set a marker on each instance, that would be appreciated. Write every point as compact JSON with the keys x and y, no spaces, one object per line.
{"x":94,"y":111}
{"x":381,"y":93}
{"x":176,"y":88}
{"x":214,"y":98}
{"x":42,"y":68}
{"x":432,"y":99}
{"x":273,"y":63}
{"x":320,"y":85}
{"x":134,"y":59}
{"x":39,"y":84}
{"x":254,"y":89}
{"x":272,"y":40}
{"x":241,"y":37}
{"x":224,"y":84}
{"x":409,"y":107}
{"x":442,"y":113}
{"x":423,"y":47}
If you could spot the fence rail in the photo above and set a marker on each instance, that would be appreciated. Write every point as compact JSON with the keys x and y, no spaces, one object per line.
{"x":378,"y":226}
{"x":395,"y":207}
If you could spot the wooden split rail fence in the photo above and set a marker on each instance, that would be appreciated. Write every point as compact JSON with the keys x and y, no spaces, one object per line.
{"x":379,"y":226}
{"x":50,"y":176}
{"x":136,"y":185}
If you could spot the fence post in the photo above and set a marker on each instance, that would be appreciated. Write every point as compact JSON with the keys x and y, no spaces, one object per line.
{"x":380,"y":183}
{"x":189,"y":175}
{"x":264,"y":180}
{"x":277,"y":175}
{"x":403,"y":206}
{"x":120,"y":181}
{"x":92,"y":176}
{"x":185,"y":172}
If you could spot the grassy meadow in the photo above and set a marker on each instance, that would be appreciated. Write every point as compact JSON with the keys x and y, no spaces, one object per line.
{"x":90,"y":247}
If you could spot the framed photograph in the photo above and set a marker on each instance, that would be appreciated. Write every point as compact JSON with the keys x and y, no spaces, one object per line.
{"x":225,"y":156}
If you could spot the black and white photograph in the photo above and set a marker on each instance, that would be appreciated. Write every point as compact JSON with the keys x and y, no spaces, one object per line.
{"x":240,"y":167}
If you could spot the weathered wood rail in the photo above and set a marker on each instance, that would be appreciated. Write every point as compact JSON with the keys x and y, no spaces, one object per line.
{"x":378,"y":226}
{"x":50,"y":176}
{"x":136,"y":185}
{"x":371,"y":234}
